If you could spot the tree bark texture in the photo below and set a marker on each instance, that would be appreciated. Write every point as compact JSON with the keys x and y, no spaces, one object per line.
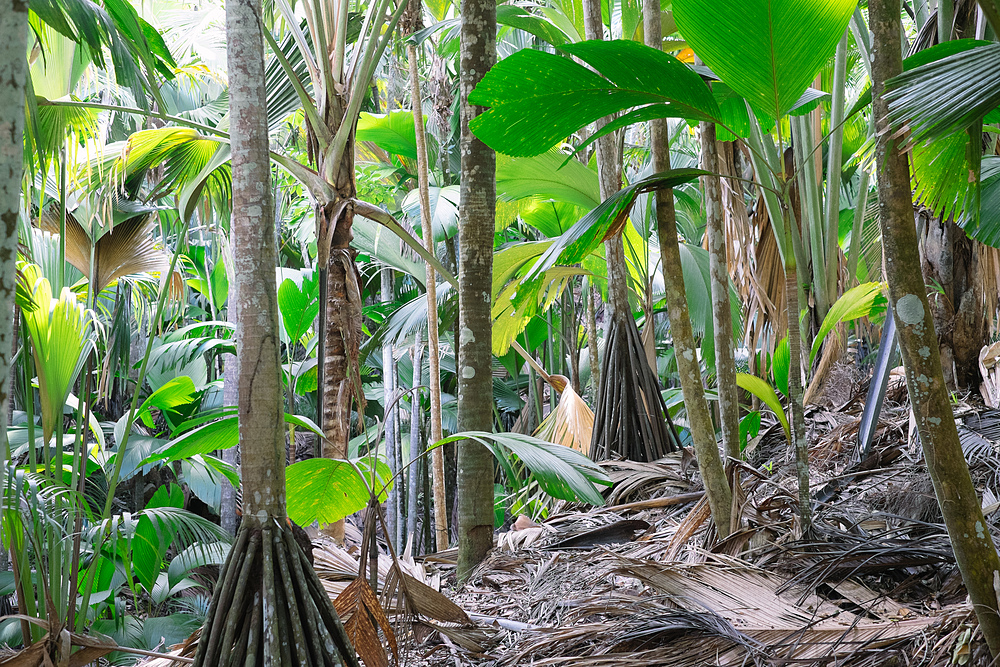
{"x":261,"y":420}
{"x":228,"y":516}
{"x":433,"y":346}
{"x":476,"y":225}
{"x":389,"y":415}
{"x":950,"y":262}
{"x":685,"y":350}
{"x":269,"y":607}
{"x":13,"y":73}
{"x":975,"y":552}
{"x":722,"y":316}
{"x":630,"y":419}
{"x":413,"y":459}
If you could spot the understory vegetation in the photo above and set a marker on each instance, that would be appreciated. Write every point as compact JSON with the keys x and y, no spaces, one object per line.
{"x":557,"y":332}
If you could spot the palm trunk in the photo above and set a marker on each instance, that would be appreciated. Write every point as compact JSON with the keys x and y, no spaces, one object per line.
{"x":433,"y":347}
{"x":13,"y":45}
{"x":389,"y":416}
{"x":478,"y":210}
{"x":722,"y":317}
{"x":591,"y":295}
{"x":685,"y":350}
{"x":975,"y":553}
{"x":413,"y":471}
{"x":269,"y":606}
{"x":630,"y":412}
{"x":795,"y":406}
{"x":230,"y":396}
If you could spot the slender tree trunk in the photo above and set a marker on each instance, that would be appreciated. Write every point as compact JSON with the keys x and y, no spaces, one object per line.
{"x":433,"y":347}
{"x":722,"y":317}
{"x":591,"y":295}
{"x":476,"y":225}
{"x":269,"y":608}
{"x":389,"y":401}
{"x":685,"y":350}
{"x":797,"y":418}
{"x":413,"y":471}
{"x":963,"y":516}
{"x":13,"y":72}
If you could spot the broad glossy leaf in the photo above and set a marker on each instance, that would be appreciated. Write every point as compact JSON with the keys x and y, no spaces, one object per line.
{"x":780,"y":363}
{"x":150,"y":541}
{"x":444,"y":211}
{"x":561,"y":472}
{"x":547,"y":176}
{"x":538,"y":99}
{"x":765,"y":393}
{"x":768,"y":51}
{"x":854,"y":303}
{"x":946,"y":96}
{"x":392,"y":132}
{"x":607,"y":218}
{"x":298,"y":302}
{"x":323,"y":490}
{"x":538,"y":25}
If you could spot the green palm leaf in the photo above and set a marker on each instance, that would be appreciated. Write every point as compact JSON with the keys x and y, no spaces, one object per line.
{"x":60,"y":333}
{"x":768,"y":51}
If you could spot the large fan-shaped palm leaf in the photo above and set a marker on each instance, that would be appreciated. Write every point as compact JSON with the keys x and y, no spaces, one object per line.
{"x":124,"y":249}
{"x":60,"y":333}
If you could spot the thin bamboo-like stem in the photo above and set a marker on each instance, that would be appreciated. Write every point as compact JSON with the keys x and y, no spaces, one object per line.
{"x":857,"y":228}
{"x":433,"y":344}
{"x":834,"y":165}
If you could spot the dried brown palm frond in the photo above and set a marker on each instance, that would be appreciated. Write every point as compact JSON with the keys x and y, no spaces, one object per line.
{"x":791,"y":623}
{"x":572,"y":422}
{"x":633,"y":480}
{"x":123,"y":249}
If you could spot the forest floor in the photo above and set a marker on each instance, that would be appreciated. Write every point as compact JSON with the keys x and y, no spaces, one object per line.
{"x":645,"y":580}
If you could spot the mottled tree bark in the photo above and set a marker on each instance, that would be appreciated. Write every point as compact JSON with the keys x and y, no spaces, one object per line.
{"x":230,"y":396}
{"x":685,"y":350}
{"x":722,"y":317}
{"x":261,"y":422}
{"x":13,"y":72}
{"x":475,"y":355}
{"x":269,"y":608}
{"x":433,"y":347}
{"x":413,"y":469}
{"x":975,"y":552}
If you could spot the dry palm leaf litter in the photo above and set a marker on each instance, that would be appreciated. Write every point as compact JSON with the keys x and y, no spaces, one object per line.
{"x":645,"y":581}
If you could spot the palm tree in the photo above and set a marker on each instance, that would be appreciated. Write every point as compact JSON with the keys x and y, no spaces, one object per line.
{"x":269,"y":607}
{"x":13,"y":36}
{"x":975,"y":552}
{"x":475,"y":349}
{"x":685,"y":351}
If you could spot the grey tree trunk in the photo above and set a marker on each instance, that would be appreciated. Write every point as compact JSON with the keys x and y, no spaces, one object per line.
{"x":722,"y":318}
{"x":389,"y":400}
{"x":230,"y":396}
{"x":13,"y":72}
{"x":413,"y":471}
{"x":269,"y":608}
{"x":975,"y":553}
{"x":685,"y":350}
{"x":475,"y":355}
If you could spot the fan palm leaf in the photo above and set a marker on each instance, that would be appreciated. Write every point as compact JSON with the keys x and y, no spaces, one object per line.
{"x":124,"y":249}
{"x":60,"y":332}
